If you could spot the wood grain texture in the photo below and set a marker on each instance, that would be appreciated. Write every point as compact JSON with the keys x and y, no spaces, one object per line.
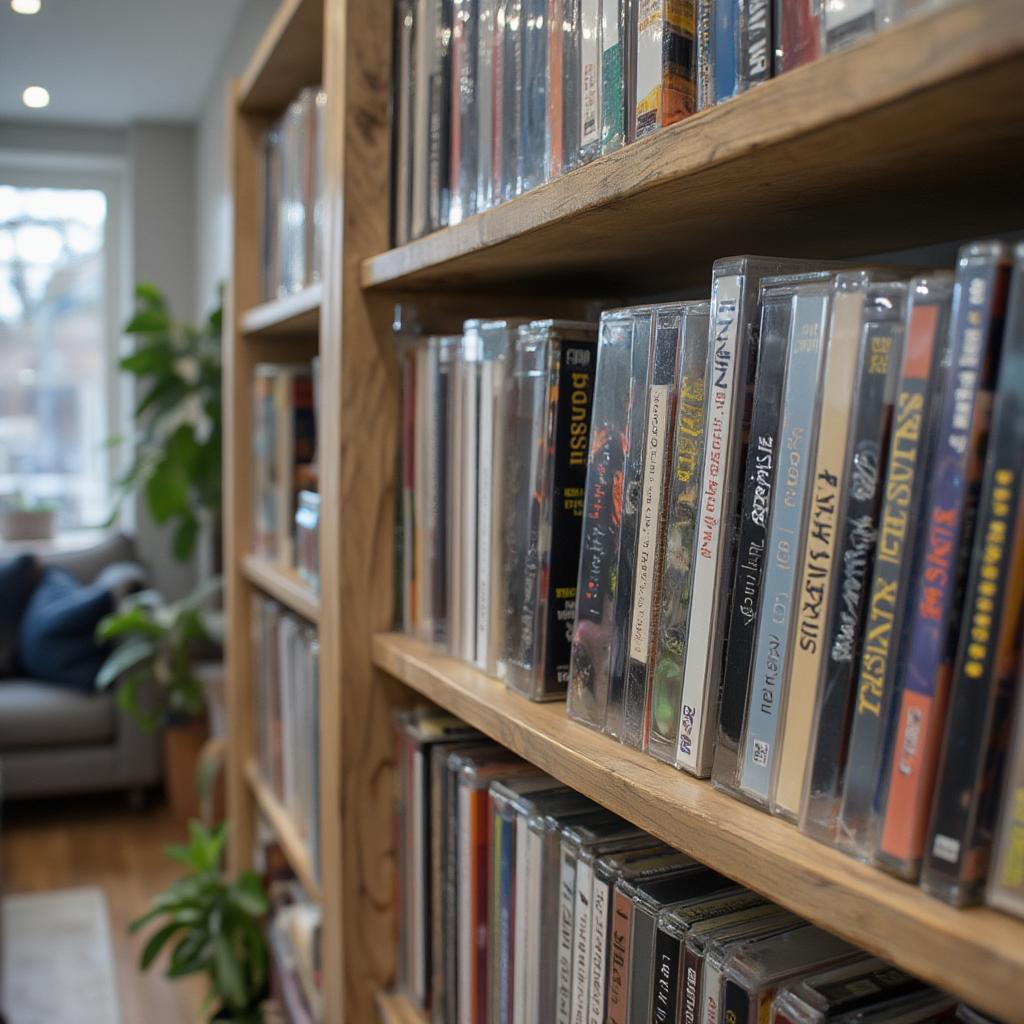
{"x":240,"y":357}
{"x":976,"y":954}
{"x":359,"y":433}
{"x":287,"y":59}
{"x":295,"y":847}
{"x":395,"y":1008}
{"x":901,"y":140}
{"x":298,"y":313}
{"x":283,"y":584}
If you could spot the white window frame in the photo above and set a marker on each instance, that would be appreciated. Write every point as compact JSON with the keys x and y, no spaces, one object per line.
{"x":109,"y":175}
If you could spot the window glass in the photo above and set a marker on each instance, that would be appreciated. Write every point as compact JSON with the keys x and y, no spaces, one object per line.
{"x":54,"y":354}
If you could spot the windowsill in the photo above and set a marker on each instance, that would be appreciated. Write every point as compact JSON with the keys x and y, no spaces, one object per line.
{"x":69,"y":541}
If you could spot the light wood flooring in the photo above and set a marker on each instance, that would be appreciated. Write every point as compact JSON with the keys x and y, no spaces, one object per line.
{"x":100,"y":841}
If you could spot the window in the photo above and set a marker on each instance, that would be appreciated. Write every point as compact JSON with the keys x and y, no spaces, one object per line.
{"x":58,"y":317}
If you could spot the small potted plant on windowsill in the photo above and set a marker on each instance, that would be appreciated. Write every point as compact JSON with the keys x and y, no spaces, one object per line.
{"x":158,"y":667}
{"x":28,"y":519}
{"x":212,"y":926}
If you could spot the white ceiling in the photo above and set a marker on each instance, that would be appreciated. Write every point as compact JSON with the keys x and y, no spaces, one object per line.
{"x":111,"y":62}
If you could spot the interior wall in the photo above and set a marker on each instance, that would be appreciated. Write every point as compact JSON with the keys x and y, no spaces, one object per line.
{"x":213,"y":203}
{"x":162,"y":159}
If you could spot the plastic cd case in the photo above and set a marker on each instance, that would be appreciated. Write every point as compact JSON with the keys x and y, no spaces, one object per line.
{"x":549,"y":401}
{"x":590,"y":659}
{"x":633,"y":437}
{"x":486,"y":127}
{"x":842,"y":990}
{"x":921,"y":378}
{"x":948,"y":516}
{"x":798,"y":431}
{"x":876,"y":379}
{"x":589,"y":83}
{"x":982,"y":745}
{"x":732,"y":358}
{"x":763,"y":456}
{"x":843,"y":22}
{"x":817,"y":569}
{"x":615,"y":73}
{"x":754,"y":970}
{"x":665,"y":75}
{"x":508,"y":98}
{"x":680,"y":530}
{"x":634,"y":648}
{"x":464,"y":142}
{"x":796,"y":29}
{"x":535,"y":32}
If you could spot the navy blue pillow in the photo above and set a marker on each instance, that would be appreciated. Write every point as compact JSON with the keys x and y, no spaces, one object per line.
{"x":18,"y":578}
{"x":58,"y":631}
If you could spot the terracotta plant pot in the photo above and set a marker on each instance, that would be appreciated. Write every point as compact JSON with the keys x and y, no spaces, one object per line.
{"x":29,"y":524}
{"x":183,"y":744}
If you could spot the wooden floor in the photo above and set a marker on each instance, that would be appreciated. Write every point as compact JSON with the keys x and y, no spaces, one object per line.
{"x":99,"y":841}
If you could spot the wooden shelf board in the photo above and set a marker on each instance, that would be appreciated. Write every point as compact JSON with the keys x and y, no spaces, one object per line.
{"x":289,"y":57}
{"x":977,"y":954}
{"x":283,"y":584}
{"x":294,"y":846}
{"x":902,"y":140}
{"x":298,"y":313}
{"x":396,"y":1008}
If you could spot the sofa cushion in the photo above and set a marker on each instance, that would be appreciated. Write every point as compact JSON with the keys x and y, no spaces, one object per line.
{"x":57,"y":639}
{"x":18,"y":578}
{"x":34,"y":714}
{"x":86,"y":564}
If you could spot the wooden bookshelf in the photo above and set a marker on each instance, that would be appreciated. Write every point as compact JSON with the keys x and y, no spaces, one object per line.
{"x":972,"y":954}
{"x":280,"y":821}
{"x":298,"y":313}
{"x":287,"y":59}
{"x":395,"y":1008}
{"x":857,"y":153}
{"x":283,"y":584}
{"x":912,"y":137}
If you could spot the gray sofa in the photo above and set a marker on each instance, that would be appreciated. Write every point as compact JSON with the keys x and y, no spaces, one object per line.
{"x":54,"y":741}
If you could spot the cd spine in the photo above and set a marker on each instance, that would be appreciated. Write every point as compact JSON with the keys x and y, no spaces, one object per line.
{"x":920,"y":375}
{"x":796,"y":29}
{"x":619,"y":962}
{"x":867,"y":449}
{"x":613,"y":75}
{"x":629,"y":525}
{"x":752,"y":545}
{"x":677,"y":563}
{"x":590,"y":80}
{"x":814,"y":590}
{"x":789,"y":514}
{"x":590,"y":660}
{"x":644,"y":613}
{"x":755,"y":30}
{"x":955,"y":476}
{"x":725,"y":358}
{"x":960,"y":840}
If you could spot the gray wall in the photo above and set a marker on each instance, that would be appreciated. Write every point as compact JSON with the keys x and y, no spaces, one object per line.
{"x":162,"y":157}
{"x":213,"y":202}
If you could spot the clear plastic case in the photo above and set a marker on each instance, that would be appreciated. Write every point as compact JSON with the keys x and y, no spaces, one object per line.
{"x":464,"y":141}
{"x":590,"y":659}
{"x":551,"y":389}
{"x":797,"y":33}
{"x":875,"y":381}
{"x":533,"y":158}
{"x":921,"y":377}
{"x":665,"y":83}
{"x":615,"y":65}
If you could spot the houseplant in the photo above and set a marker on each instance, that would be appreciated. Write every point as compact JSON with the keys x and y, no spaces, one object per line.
{"x":27,"y":519}
{"x":176,"y":449}
{"x":213,"y":926}
{"x":160,"y":682}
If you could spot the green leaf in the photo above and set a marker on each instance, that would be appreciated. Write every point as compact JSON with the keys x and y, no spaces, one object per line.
{"x":227,"y":973}
{"x":148,"y":321}
{"x":184,"y":539}
{"x":128,"y":656}
{"x":152,"y":359}
{"x":149,"y":294}
{"x":156,"y":943}
{"x":252,"y":903}
{"x":144,"y":919}
{"x":167,"y":491}
{"x":165,"y":395}
{"x":130,"y":618}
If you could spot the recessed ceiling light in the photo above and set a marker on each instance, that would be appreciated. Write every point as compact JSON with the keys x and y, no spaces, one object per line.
{"x":26,"y":6}
{"x":35,"y":96}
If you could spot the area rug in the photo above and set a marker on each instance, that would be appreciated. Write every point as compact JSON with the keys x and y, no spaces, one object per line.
{"x":58,"y":959}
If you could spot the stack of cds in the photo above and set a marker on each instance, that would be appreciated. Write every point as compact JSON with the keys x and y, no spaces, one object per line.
{"x":801,"y":551}
{"x":495,"y":428}
{"x":286,"y":660}
{"x":494,"y":97}
{"x":293,"y":176}
{"x":523,"y":901}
